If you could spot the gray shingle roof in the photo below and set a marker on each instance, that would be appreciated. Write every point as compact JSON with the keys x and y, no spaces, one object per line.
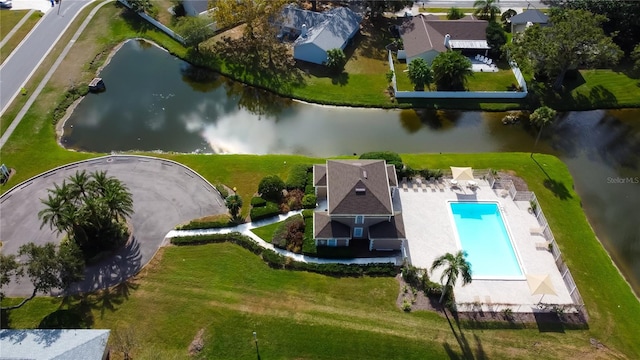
{"x":294,"y":17}
{"x":324,"y":228}
{"x":319,"y":175}
{"x":345,"y":179}
{"x":533,"y":16}
{"x":333,"y":32}
{"x":75,"y":344}
{"x":420,"y":34}
{"x":393,"y":229}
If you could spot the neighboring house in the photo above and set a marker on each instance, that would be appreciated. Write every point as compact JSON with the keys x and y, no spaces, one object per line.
{"x":195,"y":7}
{"x":527,"y":18}
{"x":315,"y":33}
{"x":361,"y":204}
{"x":425,"y":36}
{"x":75,"y":344}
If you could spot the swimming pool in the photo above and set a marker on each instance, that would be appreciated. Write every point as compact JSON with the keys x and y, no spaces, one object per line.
{"x":482,"y":233}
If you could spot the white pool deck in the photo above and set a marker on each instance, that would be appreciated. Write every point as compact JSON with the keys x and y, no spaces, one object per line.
{"x":430,"y":233}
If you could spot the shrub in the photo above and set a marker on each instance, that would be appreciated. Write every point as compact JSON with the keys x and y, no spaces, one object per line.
{"x":407,"y":172}
{"x":390,"y":157}
{"x":433,"y":289}
{"x":271,"y":187}
{"x":257,"y":201}
{"x":289,"y":234}
{"x":406,"y":305}
{"x":213,"y":224}
{"x":297,"y":178}
{"x":269,"y":210}
{"x":336,"y":60}
{"x":294,"y":199}
{"x":222,"y":190}
{"x":428,"y":174}
{"x":308,"y":242}
{"x":309,"y":201}
{"x":310,"y":190}
{"x":411,"y":275}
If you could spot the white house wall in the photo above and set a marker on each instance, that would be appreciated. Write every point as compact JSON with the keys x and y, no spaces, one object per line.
{"x":310,"y":52}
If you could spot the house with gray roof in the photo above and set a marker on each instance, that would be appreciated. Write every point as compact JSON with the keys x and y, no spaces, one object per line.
{"x":315,"y":33}
{"x":358,"y":203}
{"x":195,"y":7}
{"x":425,"y":36}
{"x":526,"y":18}
{"x":56,"y":344}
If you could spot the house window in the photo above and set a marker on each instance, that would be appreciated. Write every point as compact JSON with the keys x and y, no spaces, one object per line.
{"x":357,"y":232}
{"x":359,"y":219}
{"x":332,"y":242}
{"x":322,"y":243}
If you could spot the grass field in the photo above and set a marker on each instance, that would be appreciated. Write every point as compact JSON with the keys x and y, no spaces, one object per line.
{"x":266,"y":232}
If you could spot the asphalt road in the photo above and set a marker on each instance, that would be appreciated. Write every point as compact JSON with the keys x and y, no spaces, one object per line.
{"x":26,"y":59}
{"x":164,"y":193}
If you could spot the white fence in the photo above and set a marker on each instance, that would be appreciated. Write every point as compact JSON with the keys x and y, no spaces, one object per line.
{"x":460,"y":94}
{"x":548,"y":235}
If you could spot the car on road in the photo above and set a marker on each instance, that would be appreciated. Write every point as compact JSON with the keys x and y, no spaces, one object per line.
{"x":5,"y":4}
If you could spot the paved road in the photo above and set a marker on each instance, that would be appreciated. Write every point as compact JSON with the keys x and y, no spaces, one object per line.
{"x":165,"y":194}
{"x":23,"y":62}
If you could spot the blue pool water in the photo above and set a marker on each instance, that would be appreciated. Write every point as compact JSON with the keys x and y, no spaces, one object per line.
{"x":484,"y":237}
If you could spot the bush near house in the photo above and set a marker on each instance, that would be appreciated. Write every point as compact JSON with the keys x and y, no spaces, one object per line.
{"x":308,"y":244}
{"x":257,"y":201}
{"x":309,"y":201}
{"x":293,"y":200}
{"x":297,"y":178}
{"x":289,"y":235}
{"x":263,"y":212}
{"x":270,"y":188}
{"x":390,"y":157}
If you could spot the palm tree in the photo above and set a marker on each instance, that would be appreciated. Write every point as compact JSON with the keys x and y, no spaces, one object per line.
{"x":54,"y":214}
{"x":79,"y":185}
{"x":450,"y":70}
{"x":542,"y":116}
{"x":118,"y":199}
{"x":420,"y":74}
{"x":455,"y":265}
{"x":234,"y":203}
{"x":486,"y":9}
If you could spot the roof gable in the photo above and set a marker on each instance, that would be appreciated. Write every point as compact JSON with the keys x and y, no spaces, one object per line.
{"x":358,"y":187}
{"x":534,"y":16}
{"x":294,"y":17}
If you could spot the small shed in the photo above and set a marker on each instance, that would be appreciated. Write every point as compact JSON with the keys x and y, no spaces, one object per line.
{"x":97,"y":85}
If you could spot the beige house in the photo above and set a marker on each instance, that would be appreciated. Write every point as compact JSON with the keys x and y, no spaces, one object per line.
{"x":358,"y":203}
{"x":520,"y":22}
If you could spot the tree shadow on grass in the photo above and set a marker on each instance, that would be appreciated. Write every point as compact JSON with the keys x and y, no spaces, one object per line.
{"x":134,"y":20}
{"x":463,"y":342}
{"x":76,"y":316}
{"x":341,"y":79}
{"x":559,"y":189}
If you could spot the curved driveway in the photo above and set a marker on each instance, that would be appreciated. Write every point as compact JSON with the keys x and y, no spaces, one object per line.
{"x":165,"y":194}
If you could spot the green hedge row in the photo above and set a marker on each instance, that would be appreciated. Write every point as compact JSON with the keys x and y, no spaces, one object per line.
{"x":257,"y":201}
{"x":308,"y":243}
{"x":278,"y":261}
{"x":297,"y":178}
{"x":263,"y":212}
{"x":194,"y":225}
{"x":390,"y":157}
{"x":309,"y":201}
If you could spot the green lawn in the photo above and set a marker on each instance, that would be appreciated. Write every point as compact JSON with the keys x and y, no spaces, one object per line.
{"x":266,"y":232}
{"x":601,"y":88}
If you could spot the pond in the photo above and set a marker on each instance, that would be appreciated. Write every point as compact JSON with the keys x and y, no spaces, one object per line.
{"x":155,"y":101}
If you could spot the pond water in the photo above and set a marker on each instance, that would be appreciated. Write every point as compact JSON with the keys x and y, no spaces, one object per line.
{"x":155,"y":101}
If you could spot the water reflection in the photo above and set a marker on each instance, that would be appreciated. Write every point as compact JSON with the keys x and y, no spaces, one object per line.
{"x":155,"y":101}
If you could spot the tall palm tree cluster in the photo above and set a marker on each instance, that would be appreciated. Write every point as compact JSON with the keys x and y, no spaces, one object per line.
{"x":91,"y":209}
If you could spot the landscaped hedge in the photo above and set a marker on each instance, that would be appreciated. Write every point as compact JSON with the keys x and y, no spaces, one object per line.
{"x":298,"y":177}
{"x":308,"y":243}
{"x":290,"y":234}
{"x":309,"y":201}
{"x":278,"y":261}
{"x":257,"y":201}
{"x":263,"y":212}
{"x":215,"y":224}
{"x":390,"y":157}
